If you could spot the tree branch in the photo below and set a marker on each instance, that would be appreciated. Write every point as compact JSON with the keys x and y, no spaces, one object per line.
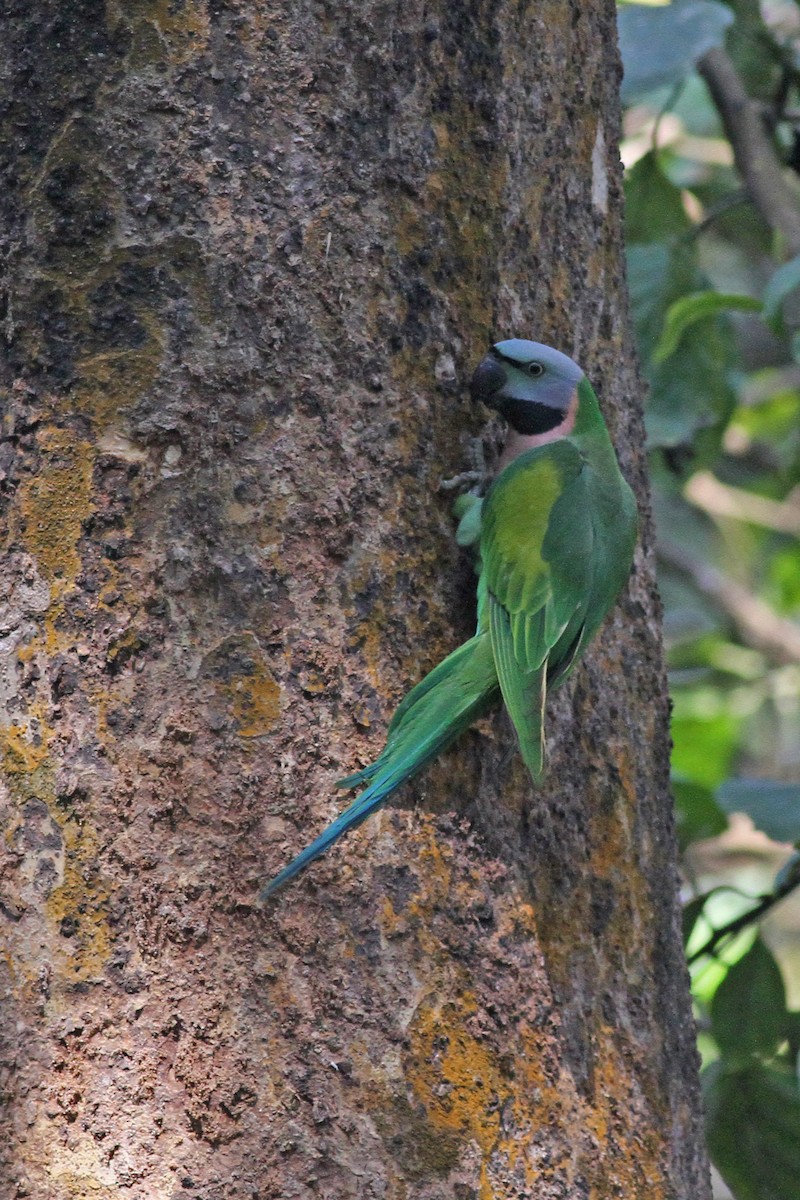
{"x":735,"y":926}
{"x":755,"y":155}
{"x":759,"y":910}
{"x":758,"y":625}
{"x":720,"y":500}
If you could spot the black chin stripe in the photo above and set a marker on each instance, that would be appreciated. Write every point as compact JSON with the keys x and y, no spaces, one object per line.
{"x":526,"y":416}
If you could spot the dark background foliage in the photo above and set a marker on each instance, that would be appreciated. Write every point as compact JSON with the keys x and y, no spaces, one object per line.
{"x":712,"y":151}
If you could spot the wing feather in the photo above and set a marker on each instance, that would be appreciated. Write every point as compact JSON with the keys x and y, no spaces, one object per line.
{"x":524,"y":690}
{"x":536,"y":547}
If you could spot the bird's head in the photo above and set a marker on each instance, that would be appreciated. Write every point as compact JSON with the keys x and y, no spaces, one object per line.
{"x":533,"y":386}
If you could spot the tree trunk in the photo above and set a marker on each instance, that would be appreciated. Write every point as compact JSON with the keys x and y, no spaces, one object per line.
{"x":256,"y":250}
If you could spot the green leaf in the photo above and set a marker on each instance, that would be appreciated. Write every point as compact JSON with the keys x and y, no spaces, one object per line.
{"x":779,"y":288}
{"x":661,"y":45}
{"x":692,"y":911}
{"x":753,"y":1129}
{"x":704,"y":745}
{"x":691,"y":392}
{"x":773,"y":807}
{"x":748,"y":1012}
{"x":697,"y":812}
{"x":656,"y":277}
{"x":695,"y":307}
{"x":653,"y":204}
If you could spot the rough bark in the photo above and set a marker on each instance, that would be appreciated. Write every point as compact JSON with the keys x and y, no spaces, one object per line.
{"x":255,"y":250}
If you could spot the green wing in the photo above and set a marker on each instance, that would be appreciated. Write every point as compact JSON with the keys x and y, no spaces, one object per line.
{"x":536,"y":545}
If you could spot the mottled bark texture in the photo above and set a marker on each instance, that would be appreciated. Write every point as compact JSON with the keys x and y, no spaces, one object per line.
{"x":255,"y":249}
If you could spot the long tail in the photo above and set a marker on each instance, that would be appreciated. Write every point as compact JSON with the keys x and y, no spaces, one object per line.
{"x":429,"y":718}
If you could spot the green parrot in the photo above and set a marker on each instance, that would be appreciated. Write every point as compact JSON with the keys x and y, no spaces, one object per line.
{"x":555,"y":536}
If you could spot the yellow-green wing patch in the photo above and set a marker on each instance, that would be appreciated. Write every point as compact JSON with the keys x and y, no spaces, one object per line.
{"x":536,"y":582}
{"x":518,"y":572}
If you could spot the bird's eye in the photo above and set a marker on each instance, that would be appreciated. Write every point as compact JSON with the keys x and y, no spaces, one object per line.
{"x":535,"y":369}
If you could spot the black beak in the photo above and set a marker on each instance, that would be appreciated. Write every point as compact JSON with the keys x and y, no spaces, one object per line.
{"x":488,"y":379}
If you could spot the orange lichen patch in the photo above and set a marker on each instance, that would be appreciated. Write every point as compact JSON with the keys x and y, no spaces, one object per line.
{"x":498,"y":1104}
{"x":78,"y":907}
{"x":184,"y":27}
{"x":454,"y":1075}
{"x":244,"y":682}
{"x":52,"y":843}
{"x":190,"y":17}
{"x":71,"y":1186}
{"x":116,"y":379}
{"x":256,"y":702}
{"x":633,"y":1151}
{"x":22,"y":751}
{"x":54,"y":504}
{"x":423,"y":1149}
{"x":435,"y":869}
{"x":616,"y":1153}
{"x":271,"y":528}
{"x":612,"y":858}
{"x":124,"y":647}
{"x":373,"y":633}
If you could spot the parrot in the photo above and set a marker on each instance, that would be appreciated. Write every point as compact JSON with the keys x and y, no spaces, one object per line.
{"x":555,"y":537}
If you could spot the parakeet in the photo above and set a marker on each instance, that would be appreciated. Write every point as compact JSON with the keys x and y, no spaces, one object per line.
{"x":555,"y":536}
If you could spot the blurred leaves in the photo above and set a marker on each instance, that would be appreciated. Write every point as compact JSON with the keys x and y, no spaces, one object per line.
{"x":654,"y":211}
{"x":690,"y":392}
{"x":749,"y":1007}
{"x":751,"y":1093}
{"x":783,"y":283}
{"x":699,"y":816}
{"x":686,"y":311}
{"x":661,"y":45}
{"x":753,"y":1128}
{"x":716,"y":315}
{"x":773,"y":807}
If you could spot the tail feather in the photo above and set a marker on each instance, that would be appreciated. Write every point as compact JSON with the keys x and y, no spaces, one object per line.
{"x":524,"y":690}
{"x":430,"y":717}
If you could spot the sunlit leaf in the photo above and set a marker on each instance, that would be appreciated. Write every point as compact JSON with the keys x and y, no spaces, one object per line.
{"x":695,"y":307}
{"x":661,"y":45}
{"x":709,"y":971}
{"x":692,"y":911}
{"x":704,"y":745}
{"x":773,"y":807}
{"x":749,"y":1007}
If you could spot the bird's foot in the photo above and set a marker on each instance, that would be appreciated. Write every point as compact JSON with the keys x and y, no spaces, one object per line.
{"x":478,"y":475}
{"x":464,"y":478}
